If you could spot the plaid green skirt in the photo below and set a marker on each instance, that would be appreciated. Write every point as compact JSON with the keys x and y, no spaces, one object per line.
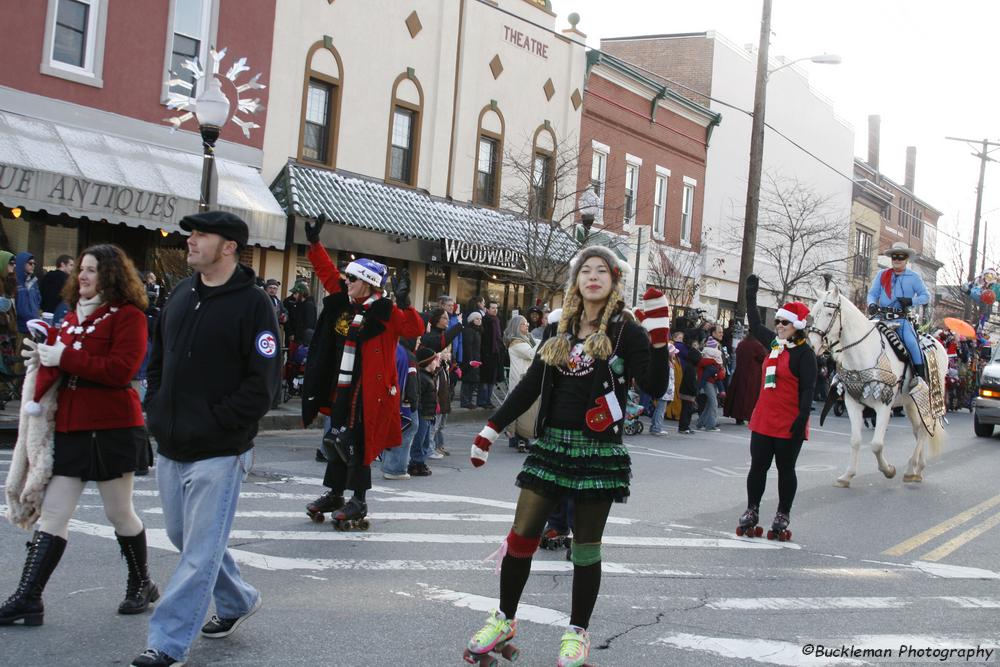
{"x":566,"y":462}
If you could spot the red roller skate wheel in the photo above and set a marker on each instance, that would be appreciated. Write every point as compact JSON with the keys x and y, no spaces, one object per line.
{"x":509,"y":652}
{"x":759,"y":531}
{"x":739,"y":532}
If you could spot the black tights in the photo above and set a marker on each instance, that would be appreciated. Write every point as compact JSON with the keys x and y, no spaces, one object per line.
{"x":530,"y":516}
{"x":784,"y":452}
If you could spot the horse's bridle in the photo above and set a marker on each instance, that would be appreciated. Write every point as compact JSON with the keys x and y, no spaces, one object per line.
{"x":831,"y":346}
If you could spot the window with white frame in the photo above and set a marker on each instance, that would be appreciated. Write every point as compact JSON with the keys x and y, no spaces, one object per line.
{"x":631,"y":191}
{"x":862,"y":254}
{"x":189,"y":40}
{"x":687,"y":210}
{"x":74,"y":40}
{"x":660,"y":201}
{"x":598,"y":176}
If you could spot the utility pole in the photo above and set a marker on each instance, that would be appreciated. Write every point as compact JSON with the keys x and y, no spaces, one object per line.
{"x":986,"y":241}
{"x":756,"y":161}
{"x":984,"y":157}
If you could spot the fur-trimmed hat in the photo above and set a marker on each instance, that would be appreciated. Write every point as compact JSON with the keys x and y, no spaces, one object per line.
{"x":619,"y":267}
{"x":795,"y":312}
{"x":369,"y":271}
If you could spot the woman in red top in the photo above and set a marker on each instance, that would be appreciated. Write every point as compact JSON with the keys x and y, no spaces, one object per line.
{"x":99,"y":432}
{"x":780,"y":420}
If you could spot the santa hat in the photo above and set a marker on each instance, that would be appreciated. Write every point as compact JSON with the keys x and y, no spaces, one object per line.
{"x":795,"y":312}
{"x":46,"y":378}
{"x":369,"y":271}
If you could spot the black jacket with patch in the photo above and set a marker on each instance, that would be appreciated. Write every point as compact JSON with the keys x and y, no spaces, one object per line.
{"x":213,"y":369}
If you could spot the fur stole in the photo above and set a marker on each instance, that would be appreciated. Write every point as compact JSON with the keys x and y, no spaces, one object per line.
{"x":31,"y":464}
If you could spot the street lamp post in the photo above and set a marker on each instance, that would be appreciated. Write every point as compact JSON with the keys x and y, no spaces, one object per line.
{"x":590,"y":205}
{"x":757,"y":155}
{"x":212,"y":111}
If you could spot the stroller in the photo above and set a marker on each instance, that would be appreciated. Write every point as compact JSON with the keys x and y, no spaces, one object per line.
{"x":632,"y":412}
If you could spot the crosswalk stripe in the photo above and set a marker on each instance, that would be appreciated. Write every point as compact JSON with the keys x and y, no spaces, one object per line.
{"x":776,"y":652}
{"x":525,"y":612}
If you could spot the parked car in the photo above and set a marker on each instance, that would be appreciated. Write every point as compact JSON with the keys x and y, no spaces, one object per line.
{"x":987,"y":402}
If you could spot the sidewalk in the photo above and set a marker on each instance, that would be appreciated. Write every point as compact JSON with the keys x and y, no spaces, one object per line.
{"x":286,"y":417}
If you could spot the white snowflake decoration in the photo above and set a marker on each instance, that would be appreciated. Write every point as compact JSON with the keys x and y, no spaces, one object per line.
{"x":187,"y":103}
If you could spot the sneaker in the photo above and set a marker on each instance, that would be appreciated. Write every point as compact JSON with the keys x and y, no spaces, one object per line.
{"x":435,"y":455}
{"x":396,"y":475}
{"x":320,"y":457}
{"x":659,"y":433}
{"x":153,"y":658}
{"x":217,"y":628}
{"x":420,"y":470}
{"x":442,"y":450}
{"x":714,"y":429}
{"x":686,"y":432}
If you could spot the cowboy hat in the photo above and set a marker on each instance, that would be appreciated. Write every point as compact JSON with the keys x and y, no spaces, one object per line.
{"x":900,"y":247}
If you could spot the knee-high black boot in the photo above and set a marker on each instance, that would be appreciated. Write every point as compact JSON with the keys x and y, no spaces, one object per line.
{"x":140,"y":590}
{"x":44,"y":552}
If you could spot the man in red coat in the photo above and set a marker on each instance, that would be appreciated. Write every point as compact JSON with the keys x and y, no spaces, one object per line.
{"x":351,"y":374}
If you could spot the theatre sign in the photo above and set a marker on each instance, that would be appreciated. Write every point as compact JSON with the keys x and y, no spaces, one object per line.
{"x":484,"y":256}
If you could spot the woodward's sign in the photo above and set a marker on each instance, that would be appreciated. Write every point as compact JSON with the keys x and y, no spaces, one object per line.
{"x":32,"y":187}
{"x":529,"y":44}
{"x":485,"y":256}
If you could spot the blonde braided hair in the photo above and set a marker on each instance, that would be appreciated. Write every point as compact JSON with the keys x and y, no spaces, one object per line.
{"x":555,"y":351}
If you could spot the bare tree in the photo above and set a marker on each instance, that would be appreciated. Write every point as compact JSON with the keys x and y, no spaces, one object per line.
{"x":677,"y":273}
{"x":801,"y":233}
{"x":541,"y":190}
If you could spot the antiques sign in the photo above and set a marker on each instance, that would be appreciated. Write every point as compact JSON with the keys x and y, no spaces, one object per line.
{"x":484,"y":256}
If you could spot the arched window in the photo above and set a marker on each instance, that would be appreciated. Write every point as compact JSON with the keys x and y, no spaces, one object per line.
{"x":321,"y":91}
{"x":402,"y":154}
{"x":543,"y":168}
{"x":489,"y":156}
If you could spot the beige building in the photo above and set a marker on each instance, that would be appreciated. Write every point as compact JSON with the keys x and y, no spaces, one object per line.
{"x":415,"y":127}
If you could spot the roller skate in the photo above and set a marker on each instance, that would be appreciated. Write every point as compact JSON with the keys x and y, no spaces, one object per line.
{"x":554,"y":538}
{"x":351,"y":516}
{"x":574,"y":648}
{"x":328,"y":502}
{"x":495,"y":637}
{"x":748,"y":523}
{"x":779,"y":528}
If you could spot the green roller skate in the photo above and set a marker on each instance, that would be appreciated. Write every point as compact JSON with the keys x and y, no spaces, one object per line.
{"x":495,"y":637}
{"x":574,"y":648}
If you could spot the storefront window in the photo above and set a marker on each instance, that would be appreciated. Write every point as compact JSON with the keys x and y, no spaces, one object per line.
{"x":436,"y":283}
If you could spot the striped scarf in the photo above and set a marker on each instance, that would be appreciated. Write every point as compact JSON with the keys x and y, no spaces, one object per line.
{"x":342,"y":415}
{"x":771,"y":363}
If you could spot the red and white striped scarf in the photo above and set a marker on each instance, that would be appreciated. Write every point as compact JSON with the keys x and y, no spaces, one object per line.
{"x":339,"y":414}
{"x":771,"y":363}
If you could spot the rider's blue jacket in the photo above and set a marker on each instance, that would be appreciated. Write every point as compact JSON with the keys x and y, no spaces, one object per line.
{"x":908,"y":284}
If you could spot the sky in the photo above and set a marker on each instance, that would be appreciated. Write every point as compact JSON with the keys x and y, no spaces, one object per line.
{"x":927,"y":68}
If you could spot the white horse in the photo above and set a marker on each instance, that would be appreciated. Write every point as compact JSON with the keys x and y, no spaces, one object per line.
{"x":874,"y":376}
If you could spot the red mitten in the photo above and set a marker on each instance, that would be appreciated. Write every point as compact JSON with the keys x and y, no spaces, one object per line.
{"x":475,"y":364}
{"x":481,"y":445}
{"x":655,"y":316}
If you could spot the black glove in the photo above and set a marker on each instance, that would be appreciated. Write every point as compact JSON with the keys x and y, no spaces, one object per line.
{"x":753,"y":284}
{"x":313,"y":229}
{"x":904,"y":301}
{"x":872,"y":309}
{"x":402,"y":291}
{"x":799,"y":427}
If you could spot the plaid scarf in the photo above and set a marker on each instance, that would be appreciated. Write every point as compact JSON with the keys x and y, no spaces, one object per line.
{"x":342,"y":413}
{"x":771,"y":363}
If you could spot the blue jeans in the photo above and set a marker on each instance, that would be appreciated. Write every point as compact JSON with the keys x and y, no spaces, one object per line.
{"x":439,"y":422}
{"x":199,"y":501}
{"x":659,"y":409}
{"x":421,"y":446}
{"x":485,"y":394}
{"x":395,"y":460}
{"x":709,"y":417}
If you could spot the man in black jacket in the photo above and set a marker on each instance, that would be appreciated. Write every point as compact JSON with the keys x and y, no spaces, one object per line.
{"x":51,"y":286}
{"x":213,"y":371}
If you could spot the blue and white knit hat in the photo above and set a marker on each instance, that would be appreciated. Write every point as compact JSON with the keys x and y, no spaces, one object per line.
{"x":369,"y":271}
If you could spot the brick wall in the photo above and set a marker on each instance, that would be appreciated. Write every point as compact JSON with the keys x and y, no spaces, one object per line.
{"x":688,"y":59}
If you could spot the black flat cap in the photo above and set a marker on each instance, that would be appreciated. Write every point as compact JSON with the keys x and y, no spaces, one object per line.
{"x":272,"y":281}
{"x":225,"y":224}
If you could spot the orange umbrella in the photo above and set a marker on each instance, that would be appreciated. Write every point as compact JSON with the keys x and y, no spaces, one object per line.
{"x":961,"y":327}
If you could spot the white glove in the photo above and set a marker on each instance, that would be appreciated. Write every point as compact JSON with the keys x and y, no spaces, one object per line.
{"x":30,"y":354}
{"x":50,"y":355}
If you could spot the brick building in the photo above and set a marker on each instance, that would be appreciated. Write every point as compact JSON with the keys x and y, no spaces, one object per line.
{"x":643,"y":150}
{"x":85,"y":154}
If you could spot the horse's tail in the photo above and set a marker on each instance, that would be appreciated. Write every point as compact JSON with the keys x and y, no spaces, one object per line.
{"x":937,"y":440}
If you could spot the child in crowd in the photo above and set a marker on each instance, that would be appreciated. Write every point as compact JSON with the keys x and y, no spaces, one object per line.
{"x":711,"y":373}
{"x":427,"y":366}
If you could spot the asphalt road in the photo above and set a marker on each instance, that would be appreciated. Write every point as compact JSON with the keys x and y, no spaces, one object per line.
{"x":873,"y":567}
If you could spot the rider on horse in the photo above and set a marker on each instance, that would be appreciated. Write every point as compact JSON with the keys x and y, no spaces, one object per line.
{"x":897,"y":289}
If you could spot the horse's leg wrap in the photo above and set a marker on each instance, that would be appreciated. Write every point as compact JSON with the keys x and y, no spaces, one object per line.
{"x":521,"y":547}
{"x":586,"y":554}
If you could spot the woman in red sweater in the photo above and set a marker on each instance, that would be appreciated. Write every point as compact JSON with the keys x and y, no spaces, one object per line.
{"x":98,"y":425}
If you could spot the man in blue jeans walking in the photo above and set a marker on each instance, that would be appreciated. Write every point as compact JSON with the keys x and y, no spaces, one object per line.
{"x":213,"y":371}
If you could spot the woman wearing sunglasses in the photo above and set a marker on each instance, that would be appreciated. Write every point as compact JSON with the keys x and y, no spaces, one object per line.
{"x":780,"y":420}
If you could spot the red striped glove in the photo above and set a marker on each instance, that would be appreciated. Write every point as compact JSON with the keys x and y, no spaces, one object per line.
{"x":655,"y":316}
{"x":481,"y":445}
